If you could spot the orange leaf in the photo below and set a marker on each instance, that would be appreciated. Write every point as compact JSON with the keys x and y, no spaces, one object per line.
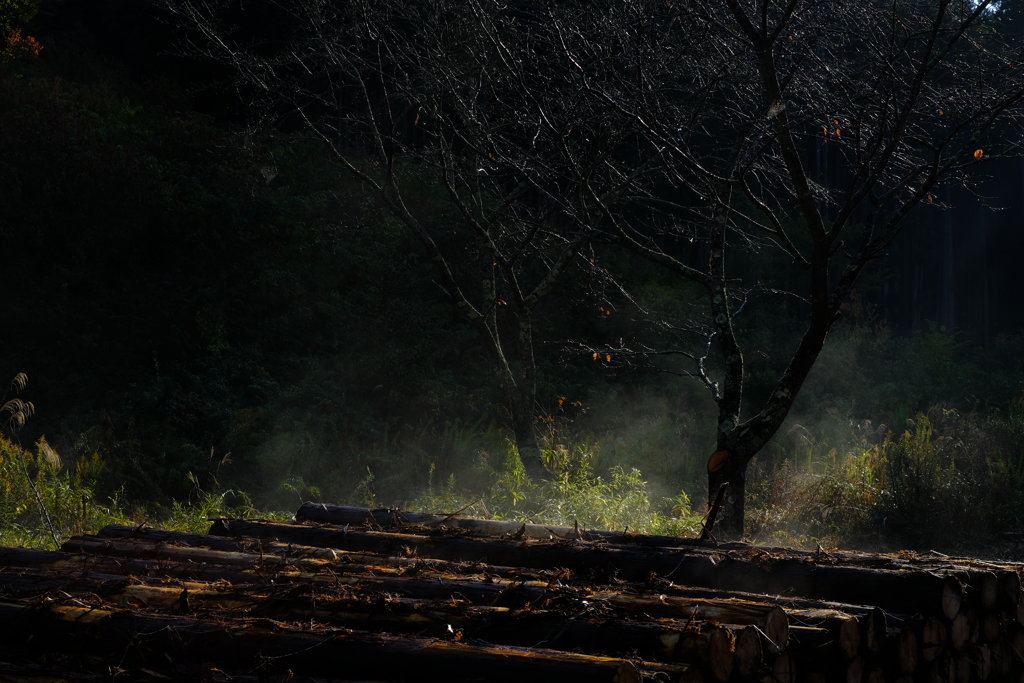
{"x":595,"y":355}
{"x":717,"y":460}
{"x":608,"y":357}
{"x":978,"y":153}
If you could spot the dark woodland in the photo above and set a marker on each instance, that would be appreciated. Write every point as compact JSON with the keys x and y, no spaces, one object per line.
{"x":439,"y":264}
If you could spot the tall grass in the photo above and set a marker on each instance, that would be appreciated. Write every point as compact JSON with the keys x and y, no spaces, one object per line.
{"x":575,"y":495}
{"x":946,"y":481}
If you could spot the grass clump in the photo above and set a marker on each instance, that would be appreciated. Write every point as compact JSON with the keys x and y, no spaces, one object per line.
{"x":887,"y":489}
{"x":43,"y":502}
{"x":574,"y":496}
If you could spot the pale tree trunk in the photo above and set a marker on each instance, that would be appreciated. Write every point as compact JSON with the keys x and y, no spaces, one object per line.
{"x":518,"y":381}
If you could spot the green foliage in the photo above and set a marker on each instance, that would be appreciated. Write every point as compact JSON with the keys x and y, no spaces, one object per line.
{"x":65,"y":496}
{"x":870,"y":488}
{"x":575,"y":496}
{"x":16,"y":13}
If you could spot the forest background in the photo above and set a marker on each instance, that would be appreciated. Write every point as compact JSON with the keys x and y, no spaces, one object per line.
{"x":214,"y":320}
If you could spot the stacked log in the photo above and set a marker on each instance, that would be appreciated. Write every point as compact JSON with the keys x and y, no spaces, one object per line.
{"x":943,"y":611}
{"x":396,"y":596}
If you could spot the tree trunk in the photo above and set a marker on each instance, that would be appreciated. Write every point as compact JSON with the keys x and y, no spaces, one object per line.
{"x":729,"y":522}
{"x":525,"y":435}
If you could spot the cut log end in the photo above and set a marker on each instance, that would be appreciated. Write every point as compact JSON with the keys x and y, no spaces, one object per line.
{"x":906,"y":652}
{"x":1009,"y":588}
{"x":952,"y":597}
{"x":988,"y":589}
{"x":721,"y":653}
{"x":960,"y":632}
{"x":849,"y":638}
{"x":776,"y":630}
{"x":627,"y":673}
{"x":933,"y":639}
{"x":749,"y":654}
{"x":855,"y":670}
{"x":783,"y":669}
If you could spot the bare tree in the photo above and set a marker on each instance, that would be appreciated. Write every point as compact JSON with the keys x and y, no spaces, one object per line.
{"x":412,"y":98}
{"x":678,"y":131}
{"x":731,"y":98}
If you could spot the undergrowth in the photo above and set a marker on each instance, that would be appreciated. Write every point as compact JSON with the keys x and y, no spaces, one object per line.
{"x":946,"y":481}
{"x":44,"y":501}
{"x":574,"y":496}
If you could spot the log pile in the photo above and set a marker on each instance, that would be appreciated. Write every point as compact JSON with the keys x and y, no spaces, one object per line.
{"x":346,"y":594}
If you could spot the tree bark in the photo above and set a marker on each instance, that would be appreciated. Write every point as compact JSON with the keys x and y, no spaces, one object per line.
{"x":147,"y":638}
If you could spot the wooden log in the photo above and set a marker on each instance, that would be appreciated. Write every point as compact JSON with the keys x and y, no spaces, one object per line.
{"x":784,"y":669}
{"x":341,"y":515}
{"x":842,"y":631}
{"x":875,"y":674}
{"x":992,"y":628}
{"x":871,"y":619}
{"x":1002,"y":659}
{"x":981,"y":586}
{"x":711,"y":646}
{"x":1009,"y":585}
{"x":905,"y":592}
{"x":771,"y":619}
{"x":154,"y":546}
{"x":961,"y":667}
{"x":816,"y":653}
{"x":960,"y":633}
{"x":85,"y":563}
{"x":981,"y":662}
{"x":198,"y":555}
{"x":198,"y":548}
{"x":128,"y":635}
{"x":266,"y":566}
{"x":905,"y":651}
{"x":1015,"y":639}
{"x":585,"y":560}
{"x":705,"y":644}
{"x":749,"y":652}
{"x":516,"y":593}
{"x":186,"y":571}
{"x":855,"y":670}
{"x":940,"y":670}
{"x":51,"y":672}
{"x":404,"y":543}
{"x":843,"y":628}
{"x":987,"y":586}
{"x":932,"y":637}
